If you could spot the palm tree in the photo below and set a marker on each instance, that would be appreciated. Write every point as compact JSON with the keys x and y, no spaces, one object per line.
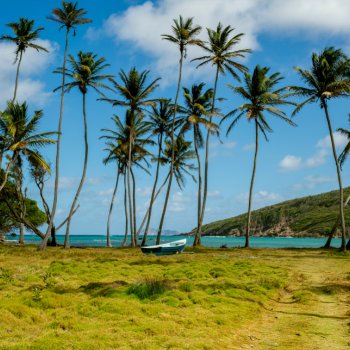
{"x":68,"y":17}
{"x":329,"y":78}
{"x":23,"y":141}
{"x":342,"y":158}
{"x":184,"y":35}
{"x":24,"y":37}
{"x":220,"y":53}
{"x":135,"y":92}
{"x":159,"y":123}
{"x":261,"y":96}
{"x":118,"y":150}
{"x":192,"y":116}
{"x":19,"y":134}
{"x":183,"y":153}
{"x":114,"y":154}
{"x":84,"y":73}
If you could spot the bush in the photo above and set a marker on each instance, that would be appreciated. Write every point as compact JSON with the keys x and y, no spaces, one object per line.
{"x":149,"y":287}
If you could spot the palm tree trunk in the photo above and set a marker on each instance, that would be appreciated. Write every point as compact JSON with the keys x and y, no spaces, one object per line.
{"x":160,"y":141}
{"x":126,"y":213}
{"x":109,"y":244}
{"x":58,"y":148}
{"x":53,"y":242}
{"x":66,"y":240}
{"x":7,"y":170}
{"x":146,"y":215}
{"x":160,"y":228}
{"x":341,"y":194}
{"x":134,"y":206}
{"x":197,"y":239}
{"x":17,"y":76}
{"x":206,"y":167}
{"x":247,"y":244}
{"x":335,"y":226}
{"x":19,"y":184}
{"x":130,"y":210}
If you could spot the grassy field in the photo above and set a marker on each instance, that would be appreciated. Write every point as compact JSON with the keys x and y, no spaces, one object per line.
{"x":209,"y":299}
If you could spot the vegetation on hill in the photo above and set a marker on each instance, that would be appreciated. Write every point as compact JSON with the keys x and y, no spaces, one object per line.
{"x":306,"y":216}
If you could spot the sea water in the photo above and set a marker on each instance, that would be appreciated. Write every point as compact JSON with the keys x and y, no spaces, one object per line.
{"x":213,"y":241}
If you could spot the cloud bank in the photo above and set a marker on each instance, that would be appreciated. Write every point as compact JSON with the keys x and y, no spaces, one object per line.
{"x":143,"y":24}
{"x":30,"y":88}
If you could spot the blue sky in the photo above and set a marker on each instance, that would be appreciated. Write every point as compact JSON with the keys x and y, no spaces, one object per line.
{"x":282,"y":34}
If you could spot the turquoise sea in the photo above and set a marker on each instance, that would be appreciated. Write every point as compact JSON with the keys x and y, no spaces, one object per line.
{"x":218,"y":241}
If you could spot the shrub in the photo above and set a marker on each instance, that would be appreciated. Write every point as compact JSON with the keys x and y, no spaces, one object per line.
{"x":149,"y":287}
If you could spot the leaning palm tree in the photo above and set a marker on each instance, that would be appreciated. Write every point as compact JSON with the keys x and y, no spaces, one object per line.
{"x":114,"y":155}
{"x":221,"y":55}
{"x":84,"y":73}
{"x":329,"y":78}
{"x":192,"y":116}
{"x":159,"y":123}
{"x":134,"y":91}
{"x":183,"y":152}
{"x":117,"y":141}
{"x":23,"y":142}
{"x":184,"y":35}
{"x":68,"y":17}
{"x":20,"y":136}
{"x":261,"y":96}
{"x":24,"y":37}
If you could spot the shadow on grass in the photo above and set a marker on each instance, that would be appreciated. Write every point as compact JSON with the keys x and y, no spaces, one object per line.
{"x":102,"y":289}
{"x":311,"y":314}
{"x":330,"y":289}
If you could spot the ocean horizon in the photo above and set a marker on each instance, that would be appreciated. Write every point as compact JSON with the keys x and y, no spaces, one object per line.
{"x":212,"y":241}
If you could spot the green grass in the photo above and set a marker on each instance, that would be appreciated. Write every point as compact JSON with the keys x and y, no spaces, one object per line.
{"x":120,"y":299}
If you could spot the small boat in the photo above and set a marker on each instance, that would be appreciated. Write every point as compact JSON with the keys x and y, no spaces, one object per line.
{"x":165,"y":248}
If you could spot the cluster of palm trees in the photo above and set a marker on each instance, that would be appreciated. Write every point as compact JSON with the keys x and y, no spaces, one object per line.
{"x":161,"y":123}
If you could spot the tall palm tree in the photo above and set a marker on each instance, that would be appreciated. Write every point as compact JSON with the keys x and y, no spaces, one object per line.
{"x":159,"y":123}
{"x":192,"y":116}
{"x":184,"y":35}
{"x":69,"y":16}
{"x":342,"y":158}
{"x":24,"y":38}
{"x":85,"y":73}
{"x":261,"y":96}
{"x":221,"y":55}
{"x":329,"y":78}
{"x":118,"y":150}
{"x":114,"y":154}
{"x":134,"y":91}
{"x":182,"y":153}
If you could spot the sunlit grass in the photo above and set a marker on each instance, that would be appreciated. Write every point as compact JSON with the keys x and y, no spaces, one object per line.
{"x":121,"y":299}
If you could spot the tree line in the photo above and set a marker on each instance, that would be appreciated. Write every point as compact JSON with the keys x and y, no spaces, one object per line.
{"x":179,"y":129}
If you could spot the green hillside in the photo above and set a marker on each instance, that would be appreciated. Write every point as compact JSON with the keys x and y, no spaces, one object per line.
{"x":306,"y":216}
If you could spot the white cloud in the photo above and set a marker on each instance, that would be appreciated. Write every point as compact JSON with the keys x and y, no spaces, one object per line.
{"x":339,"y":140}
{"x":290,"y":163}
{"x":260,"y":198}
{"x":323,"y":146}
{"x":178,"y":202}
{"x":312,"y":181}
{"x":214,"y":194}
{"x":249,"y":147}
{"x":143,"y":24}
{"x":230,"y":145}
{"x":34,"y":63}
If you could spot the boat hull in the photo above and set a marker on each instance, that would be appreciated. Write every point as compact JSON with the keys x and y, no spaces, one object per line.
{"x":165,"y":249}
